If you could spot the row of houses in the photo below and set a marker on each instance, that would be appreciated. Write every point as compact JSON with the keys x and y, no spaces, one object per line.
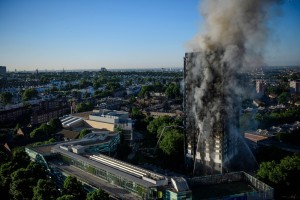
{"x":36,"y":112}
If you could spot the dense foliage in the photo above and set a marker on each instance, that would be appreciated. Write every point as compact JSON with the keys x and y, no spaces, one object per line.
{"x":283,"y":176}
{"x":18,"y":176}
{"x":84,"y":132}
{"x":29,"y":94}
{"x":45,"y":189}
{"x":97,"y":195}
{"x":168,"y":132}
{"x":44,"y":131}
{"x":5,"y":97}
{"x":82,"y":107}
{"x":173,"y":91}
{"x":73,"y":187}
{"x":278,"y":117}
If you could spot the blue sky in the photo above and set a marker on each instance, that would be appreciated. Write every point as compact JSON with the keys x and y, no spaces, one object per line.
{"x":78,"y":34}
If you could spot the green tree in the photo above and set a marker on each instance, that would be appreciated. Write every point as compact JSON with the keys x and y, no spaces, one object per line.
{"x":45,"y":190}
{"x":96,"y":84}
{"x":172,"y":142}
{"x":36,"y":171}
{"x":97,"y":195}
{"x":83,"y":107}
{"x":84,"y":132}
{"x":21,"y":184}
{"x":145,"y":91}
{"x":47,"y":129}
{"x":156,"y":123}
{"x":157,"y":87}
{"x":29,"y":94}
{"x":73,"y":187}
{"x":38,"y":134}
{"x":84,"y":83}
{"x":172,"y":91}
{"x":283,"y":97}
{"x":6,"y":170}
{"x":112,"y":86}
{"x":44,"y":80}
{"x":20,"y":158}
{"x":5,"y":97}
{"x":55,"y":123}
{"x":3,"y":157}
{"x":67,"y":197}
{"x":283,"y":176}
{"x":136,"y":113}
{"x":102,"y":94}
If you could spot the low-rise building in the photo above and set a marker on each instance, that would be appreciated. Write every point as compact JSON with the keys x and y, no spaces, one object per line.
{"x":82,"y":158}
{"x":47,"y":110}
{"x":295,"y":86}
{"x":112,"y":120}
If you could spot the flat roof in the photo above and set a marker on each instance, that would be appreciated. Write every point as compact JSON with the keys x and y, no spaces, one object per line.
{"x":68,"y":134}
{"x":128,"y":168}
{"x":221,"y":190}
{"x":42,"y":149}
{"x":86,"y":141}
{"x":99,"y":165}
{"x":254,"y":137}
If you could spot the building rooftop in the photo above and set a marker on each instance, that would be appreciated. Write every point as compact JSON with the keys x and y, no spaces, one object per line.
{"x":255,"y":137}
{"x":70,"y":120}
{"x":234,"y":185}
{"x":108,"y":113}
{"x":108,"y":167}
{"x":68,"y":134}
{"x":180,"y":184}
{"x":43,"y":149}
{"x":126,"y":167}
{"x":90,"y":139}
{"x":221,"y":190}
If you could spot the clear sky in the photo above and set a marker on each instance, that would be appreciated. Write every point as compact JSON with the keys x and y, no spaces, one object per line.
{"x":90,"y":34}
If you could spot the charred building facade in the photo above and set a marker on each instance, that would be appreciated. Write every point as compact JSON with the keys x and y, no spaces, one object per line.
{"x":211,"y":118}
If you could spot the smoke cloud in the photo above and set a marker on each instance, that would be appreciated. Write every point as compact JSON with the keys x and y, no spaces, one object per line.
{"x":234,"y":37}
{"x":237,"y":26}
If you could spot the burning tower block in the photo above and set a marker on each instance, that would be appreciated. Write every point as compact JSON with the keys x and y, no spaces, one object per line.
{"x":211,"y":112}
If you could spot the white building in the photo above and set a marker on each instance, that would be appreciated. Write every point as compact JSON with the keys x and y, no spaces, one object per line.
{"x":295,"y":86}
{"x":112,"y":120}
{"x":260,"y":86}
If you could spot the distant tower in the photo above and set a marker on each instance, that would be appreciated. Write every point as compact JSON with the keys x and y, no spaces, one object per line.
{"x":260,"y":86}
{"x":210,"y":146}
{"x":2,"y":70}
{"x":36,"y":74}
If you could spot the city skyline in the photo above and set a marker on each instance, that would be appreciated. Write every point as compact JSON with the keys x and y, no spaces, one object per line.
{"x":75,"y":35}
